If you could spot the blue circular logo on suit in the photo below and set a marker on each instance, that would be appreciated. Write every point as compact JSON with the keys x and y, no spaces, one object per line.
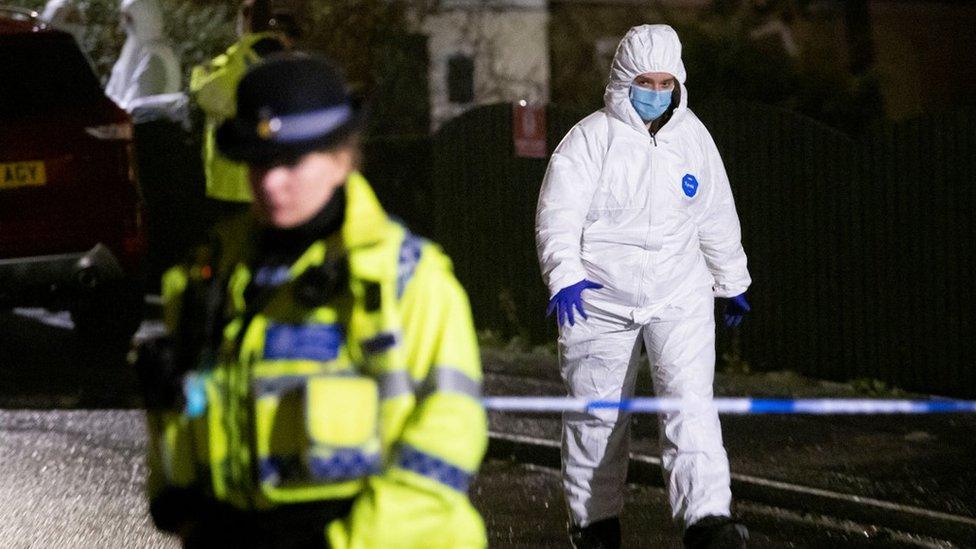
{"x":689,"y":185}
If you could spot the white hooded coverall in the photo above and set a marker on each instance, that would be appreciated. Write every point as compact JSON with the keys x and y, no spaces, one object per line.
{"x":147,"y":65}
{"x":67,"y":16}
{"x":652,"y":219}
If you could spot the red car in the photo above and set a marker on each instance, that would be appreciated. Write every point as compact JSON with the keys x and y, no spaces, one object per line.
{"x":71,"y":234}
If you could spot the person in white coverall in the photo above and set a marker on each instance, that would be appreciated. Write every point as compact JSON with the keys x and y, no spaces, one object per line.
{"x":67,"y":16}
{"x":636,"y":211}
{"x":147,"y":65}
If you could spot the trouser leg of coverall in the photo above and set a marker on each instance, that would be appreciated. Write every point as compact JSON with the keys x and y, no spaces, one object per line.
{"x":598,"y":360}
{"x":681,"y":348}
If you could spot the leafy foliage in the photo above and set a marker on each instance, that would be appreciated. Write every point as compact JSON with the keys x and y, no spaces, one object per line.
{"x":381,"y":57}
{"x":195,"y":31}
{"x":722,"y":58}
{"x":371,"y":39}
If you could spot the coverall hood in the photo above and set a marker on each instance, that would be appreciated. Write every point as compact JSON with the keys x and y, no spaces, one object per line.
{"x":147,"y":21}
{"x":66,"y":16}
{"x":147,"y":65}
{"x":645,"y":48}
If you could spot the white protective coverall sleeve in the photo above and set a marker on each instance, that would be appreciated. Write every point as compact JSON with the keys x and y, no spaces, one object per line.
{"x":147,"y":65}
{"x":567,"y":189}
{"x":718,"y":229}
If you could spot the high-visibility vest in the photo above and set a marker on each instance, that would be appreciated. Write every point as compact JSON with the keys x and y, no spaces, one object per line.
{"x":310,"y":401}
{"x":214,"y":88}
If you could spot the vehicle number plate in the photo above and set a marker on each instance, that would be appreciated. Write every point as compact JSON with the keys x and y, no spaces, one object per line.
{"x":22,"y":174}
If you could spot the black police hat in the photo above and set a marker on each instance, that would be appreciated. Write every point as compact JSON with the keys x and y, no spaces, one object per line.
{"x":288,"y":105}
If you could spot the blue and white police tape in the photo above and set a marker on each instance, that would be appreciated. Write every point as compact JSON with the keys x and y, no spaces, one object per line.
{"x":740,"y":406}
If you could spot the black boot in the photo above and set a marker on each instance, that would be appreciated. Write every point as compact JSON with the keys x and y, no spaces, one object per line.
{"x":716,"y":532}
{"x":602,"y":534}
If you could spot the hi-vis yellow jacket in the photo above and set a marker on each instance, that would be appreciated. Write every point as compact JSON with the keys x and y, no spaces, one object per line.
{"x":214,"y":88}
{"x":372,"y":394}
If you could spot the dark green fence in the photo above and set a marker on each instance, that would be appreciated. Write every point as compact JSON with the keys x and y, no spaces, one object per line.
{"x":484,"y":204}
{"x":399,"y":170}
{"x":920,"y":205}
{"x":800,"y":202}
{"x":861,"y":250}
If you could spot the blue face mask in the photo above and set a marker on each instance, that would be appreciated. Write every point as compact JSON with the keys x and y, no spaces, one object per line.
{"x":649,"y":104}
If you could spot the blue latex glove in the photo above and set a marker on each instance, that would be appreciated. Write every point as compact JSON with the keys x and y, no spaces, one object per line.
{"x":735,"y":309}
{"x":569,"y":298}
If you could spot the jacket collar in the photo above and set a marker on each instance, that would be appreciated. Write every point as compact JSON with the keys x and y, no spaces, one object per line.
{"x":366,"y":222}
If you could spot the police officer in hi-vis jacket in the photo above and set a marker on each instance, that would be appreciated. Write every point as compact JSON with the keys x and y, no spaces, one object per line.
{"x":320,"y":386}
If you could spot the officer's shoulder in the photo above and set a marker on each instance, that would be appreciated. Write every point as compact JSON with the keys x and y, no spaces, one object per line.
{"x":423,"y":259}
{"x":424,"y":250}
{"x":409,"y":246}
{"x":434,"y":276}
{"x":424,"y":268}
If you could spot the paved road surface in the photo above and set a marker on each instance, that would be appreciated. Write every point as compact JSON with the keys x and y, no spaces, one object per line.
{"x":71,"y":469}
{"x":74,"y":478}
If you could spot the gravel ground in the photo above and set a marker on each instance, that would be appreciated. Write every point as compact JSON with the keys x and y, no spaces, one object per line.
{"x":74,"y":479}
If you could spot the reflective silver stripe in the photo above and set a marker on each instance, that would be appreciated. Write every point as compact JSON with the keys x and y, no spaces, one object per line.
{"x":270,"y":386}
{"x":394,"y":384}
{"x":308,"y":125}
{"x":451,"y":380}
{"x":379,"y":343}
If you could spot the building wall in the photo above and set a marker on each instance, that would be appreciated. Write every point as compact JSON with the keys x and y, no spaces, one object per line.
{"x":508,"y":41}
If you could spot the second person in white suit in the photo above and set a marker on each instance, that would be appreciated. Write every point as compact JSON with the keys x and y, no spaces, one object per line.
{"x":147,"y":65}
